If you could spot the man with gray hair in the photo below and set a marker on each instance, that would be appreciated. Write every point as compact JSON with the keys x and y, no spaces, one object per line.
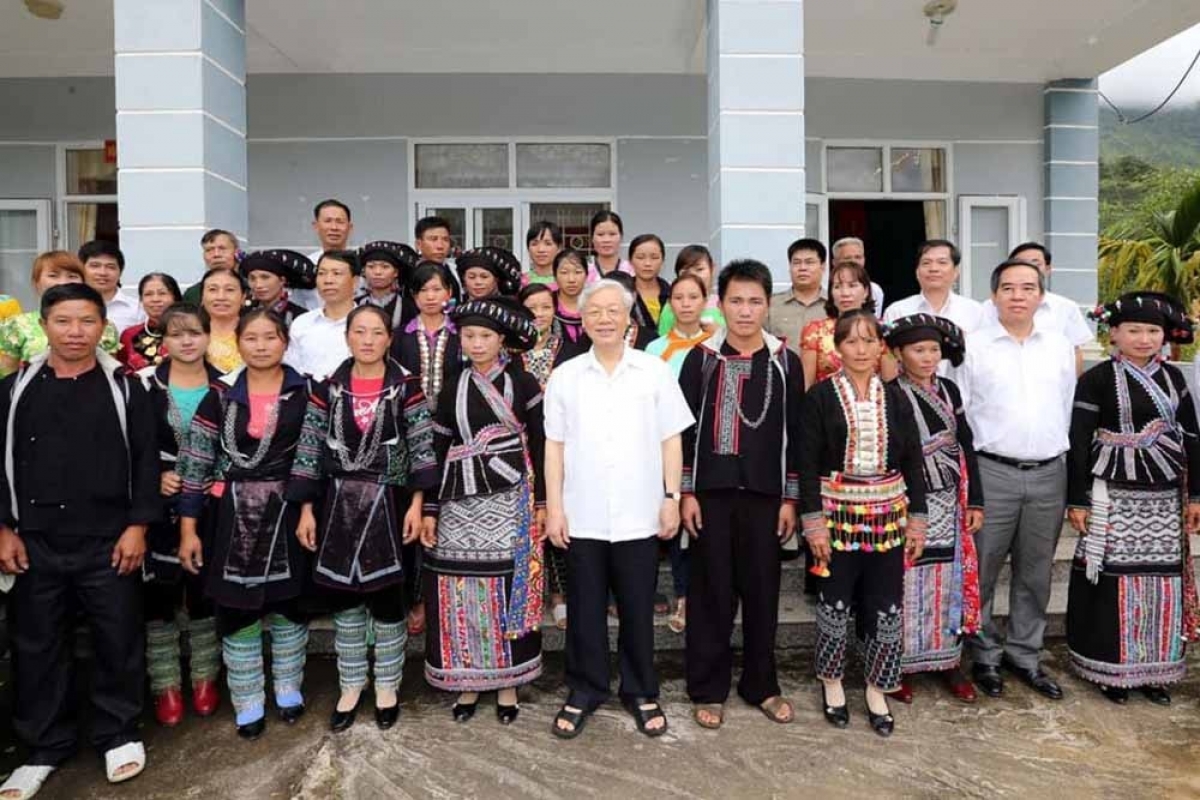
{"x":614,"y":465}
{"x":851,"y":250}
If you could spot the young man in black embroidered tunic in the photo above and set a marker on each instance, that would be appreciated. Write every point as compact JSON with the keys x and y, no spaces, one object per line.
{"x":80,"y":487}
{"x":740,"y":492}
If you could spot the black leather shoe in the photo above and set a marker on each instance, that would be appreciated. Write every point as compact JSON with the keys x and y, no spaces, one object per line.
{"x":386,"y":717}
{"x":1115,"y":694}
{"x":988,"y":679}
{"x":341,"y":720}
{"x":882,"y":724}
{"x":837,"y":716}
{"x":291,"y":714}
{"x":1037,"y":680}
{"x":1157,"y":695}
{"x":464,"y":711}
{"x":507,"y":714}
{"x":252,"y":730}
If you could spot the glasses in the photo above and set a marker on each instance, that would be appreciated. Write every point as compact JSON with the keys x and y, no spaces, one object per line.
{"x":608,"y":312}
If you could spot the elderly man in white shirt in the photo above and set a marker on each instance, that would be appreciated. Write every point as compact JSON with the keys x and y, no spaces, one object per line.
{"x":317,"y":344}
{"x":614,"y":464}
{"x":1018,"y":382}
{"x":1055,"y":311}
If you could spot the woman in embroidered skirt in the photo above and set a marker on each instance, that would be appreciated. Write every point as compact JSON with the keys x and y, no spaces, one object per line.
{"x":366,"y":452}
{"x":863,"y":502}
{"x":483,"y":570}
{"x":1134,"y":495}
{"x":242,"y":444}
{"x":176,"y":387}
{"x":941,"y":588}
{"x":550,"y":350}
{"x":427,"y":347}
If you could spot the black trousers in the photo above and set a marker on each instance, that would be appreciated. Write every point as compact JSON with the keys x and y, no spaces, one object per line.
{"x":630,"y":570}
{"x":871,"y":587}
{"x":65,"y":575}
{"x":735,"y":559}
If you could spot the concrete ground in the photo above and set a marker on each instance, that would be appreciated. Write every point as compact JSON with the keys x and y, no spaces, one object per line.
{"x":1018,"y":746}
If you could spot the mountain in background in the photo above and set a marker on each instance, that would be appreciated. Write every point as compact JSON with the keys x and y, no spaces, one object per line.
{"x":1170,"y":138}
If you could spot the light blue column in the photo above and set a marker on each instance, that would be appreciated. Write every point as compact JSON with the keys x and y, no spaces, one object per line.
{"x":1072,"y":184}
{"x":756,"y":129}
{"x":181,"y":129}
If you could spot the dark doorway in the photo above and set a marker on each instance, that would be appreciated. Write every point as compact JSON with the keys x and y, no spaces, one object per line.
{"x":892,"y":231}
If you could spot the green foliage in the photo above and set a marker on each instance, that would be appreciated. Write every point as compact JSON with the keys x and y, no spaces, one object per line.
{"x":1169,"y":138}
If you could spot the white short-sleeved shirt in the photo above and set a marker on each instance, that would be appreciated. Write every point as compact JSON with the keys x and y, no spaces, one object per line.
{"x":1056,"y":313}
{"x":612,"y":428}
{"x":318,"y":344}
{"x":1018,"y":395}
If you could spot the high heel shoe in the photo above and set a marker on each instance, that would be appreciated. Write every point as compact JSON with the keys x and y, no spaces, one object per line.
{"x":507,"y":714}
{"x":386,"y":717}
{"x":252,"y":730}
{"x":462,"y":712}
{"x":882,"y":724}
{"x":341,"y":720}
{"x":837,"y":716}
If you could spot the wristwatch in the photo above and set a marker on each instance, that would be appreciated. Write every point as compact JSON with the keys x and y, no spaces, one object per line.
{"x":676,"y":496}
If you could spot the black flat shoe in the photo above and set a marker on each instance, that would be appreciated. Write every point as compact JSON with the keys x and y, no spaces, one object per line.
{"x":341,"y":720}
{"x":988,"y":679}
{"x":386,"y":717}
{"x":1036,"y":679}
{"x":837,"y":716}
{"x":507,"y":714}
{"x":1157,"y":695}
{"x":252,"y":730}
{"x":291,"y":714}
{"x":464,"y":711}
{"x":1115,"y":694}
{"x":882,"y":724}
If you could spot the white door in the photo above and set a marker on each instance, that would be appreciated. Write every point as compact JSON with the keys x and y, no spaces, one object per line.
{"x":24,"y":232}
{"x":482,"y":223}
{"x":989,"y":228}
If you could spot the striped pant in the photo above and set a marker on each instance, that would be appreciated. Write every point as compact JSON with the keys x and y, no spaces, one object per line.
{"x":243,"y":653}
{"x":352,"y":628}
{"x":163,"y":656}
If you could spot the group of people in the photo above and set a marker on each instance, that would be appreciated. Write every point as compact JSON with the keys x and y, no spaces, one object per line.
{"x":457,"y":448}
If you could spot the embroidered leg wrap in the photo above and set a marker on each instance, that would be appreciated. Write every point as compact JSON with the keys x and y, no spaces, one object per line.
{"x":162,"y":656}
{"x":243,"y":652}
{"x":883,"y":650}
{"x":390,"y":640}
{"x":205,"y":659}
{"x":289,"y":648}
{"x":832,"y":632}
{"x":350,"y":642}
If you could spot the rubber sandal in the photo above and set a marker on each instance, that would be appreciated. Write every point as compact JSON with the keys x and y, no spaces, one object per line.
{"x":128,"y":753}
{"x":643,"y":716}
{"x":772,"y":706}
{"x":677,"y":622}
{"x":713,"y":710}
{"x":559,"y":612}
{"x":27,"y":780}
{"x":577,"y":720}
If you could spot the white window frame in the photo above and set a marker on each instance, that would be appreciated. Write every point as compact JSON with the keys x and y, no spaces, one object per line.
{"x":41,"y":210}
{"x":63,"y":198}
{"x":520,"y":198}
{"x":1014,"y":204}
{"x":821,"y":201}
{"x":886,"y":146}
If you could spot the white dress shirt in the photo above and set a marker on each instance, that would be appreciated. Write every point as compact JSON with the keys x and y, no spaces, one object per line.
{"x":318,"y":344}
{"x":1056,"y":313}
{"x":1018,"y":395}
{"x":612,"y":428}
{"x":124,"y":311}
{"x":962,"y":311}
{"x":877,"y":296}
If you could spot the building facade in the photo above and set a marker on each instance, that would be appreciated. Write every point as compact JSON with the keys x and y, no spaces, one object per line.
{"x":740,"y":124}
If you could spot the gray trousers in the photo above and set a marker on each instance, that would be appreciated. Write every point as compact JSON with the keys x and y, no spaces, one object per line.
{"x":1023,"y":517}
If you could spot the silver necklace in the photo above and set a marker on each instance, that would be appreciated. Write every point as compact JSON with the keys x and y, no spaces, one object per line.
{"x":264,"y":444}
{"x":368,"y":445}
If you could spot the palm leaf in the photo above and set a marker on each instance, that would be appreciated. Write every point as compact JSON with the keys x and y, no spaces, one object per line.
{"x":1185,"y":220}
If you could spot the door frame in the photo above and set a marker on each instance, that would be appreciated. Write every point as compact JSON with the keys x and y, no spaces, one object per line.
{"x":1013,"y":204}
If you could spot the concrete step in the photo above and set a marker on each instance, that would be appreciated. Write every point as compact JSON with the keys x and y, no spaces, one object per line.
{"x":797,"y":612}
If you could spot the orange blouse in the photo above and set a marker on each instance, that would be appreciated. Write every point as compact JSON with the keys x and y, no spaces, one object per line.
{"x":817,"y":337}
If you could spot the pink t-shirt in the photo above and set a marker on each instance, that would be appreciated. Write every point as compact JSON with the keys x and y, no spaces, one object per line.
{"x":260,"y":411}
{"x":364,"y":393}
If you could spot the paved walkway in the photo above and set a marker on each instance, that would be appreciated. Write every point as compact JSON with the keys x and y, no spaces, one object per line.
{"x":1020,"y":746}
